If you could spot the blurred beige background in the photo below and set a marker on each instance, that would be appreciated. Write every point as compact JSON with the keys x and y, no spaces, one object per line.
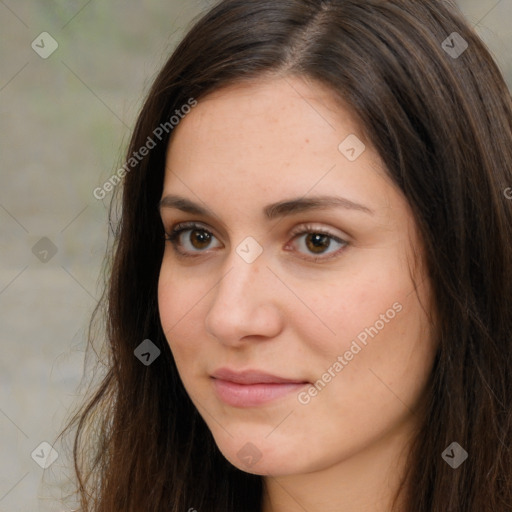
{"x":64,"y":121}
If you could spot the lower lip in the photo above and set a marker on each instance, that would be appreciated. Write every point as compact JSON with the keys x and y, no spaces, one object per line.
{"x":250,"y":395}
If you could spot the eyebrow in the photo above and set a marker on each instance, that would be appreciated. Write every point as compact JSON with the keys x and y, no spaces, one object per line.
{"x":271,"y":211}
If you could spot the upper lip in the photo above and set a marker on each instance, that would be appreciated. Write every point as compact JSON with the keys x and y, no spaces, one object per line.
{"x":252,"y":377}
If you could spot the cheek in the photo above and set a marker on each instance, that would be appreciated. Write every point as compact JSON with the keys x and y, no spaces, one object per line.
{"x":379,"y":329}
{"x":178,"y":305}
{"x":386,"y":352}
{"x":359,"y":306}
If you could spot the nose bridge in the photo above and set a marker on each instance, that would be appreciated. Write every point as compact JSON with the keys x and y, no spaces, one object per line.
{"x":246,"y":267}
{"x":240,"y":283}
{"x":243,"y":302}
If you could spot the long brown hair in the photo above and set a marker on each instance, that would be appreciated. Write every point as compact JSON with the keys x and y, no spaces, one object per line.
{"x":440,"y":116}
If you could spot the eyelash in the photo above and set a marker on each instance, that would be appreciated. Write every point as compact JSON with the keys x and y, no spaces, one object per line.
{"x":307,"y":229}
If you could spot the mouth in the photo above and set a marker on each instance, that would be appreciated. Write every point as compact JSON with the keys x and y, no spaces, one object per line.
{"x":251,"y":388}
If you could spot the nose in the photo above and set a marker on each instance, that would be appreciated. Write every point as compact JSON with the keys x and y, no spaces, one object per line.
{"x":245,"y":303}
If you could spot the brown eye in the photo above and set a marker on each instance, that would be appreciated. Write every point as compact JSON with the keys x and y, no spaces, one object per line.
{"x":199,"y":238}
{"x":310,"y":240}
{"x":317,"y":242}
{"x":190,"y":238}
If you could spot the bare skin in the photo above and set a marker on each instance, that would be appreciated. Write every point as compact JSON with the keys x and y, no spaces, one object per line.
{"x":300,"y":305}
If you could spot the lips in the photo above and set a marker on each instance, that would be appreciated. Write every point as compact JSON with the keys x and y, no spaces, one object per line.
{"x":252,"y":377}
{"x":251,"y":388}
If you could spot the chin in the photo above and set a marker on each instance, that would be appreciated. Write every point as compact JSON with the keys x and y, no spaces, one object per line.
{"x":262,"y":457}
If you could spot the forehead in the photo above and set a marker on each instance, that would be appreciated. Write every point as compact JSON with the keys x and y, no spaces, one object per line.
{"x":268,"y":126}
{"x":273,"y":101}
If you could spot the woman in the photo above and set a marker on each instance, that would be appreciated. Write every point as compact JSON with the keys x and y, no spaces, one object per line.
{"x":309,"y":305}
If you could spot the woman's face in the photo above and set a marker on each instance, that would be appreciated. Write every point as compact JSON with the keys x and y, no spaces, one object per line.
{"x":319,"y":299}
